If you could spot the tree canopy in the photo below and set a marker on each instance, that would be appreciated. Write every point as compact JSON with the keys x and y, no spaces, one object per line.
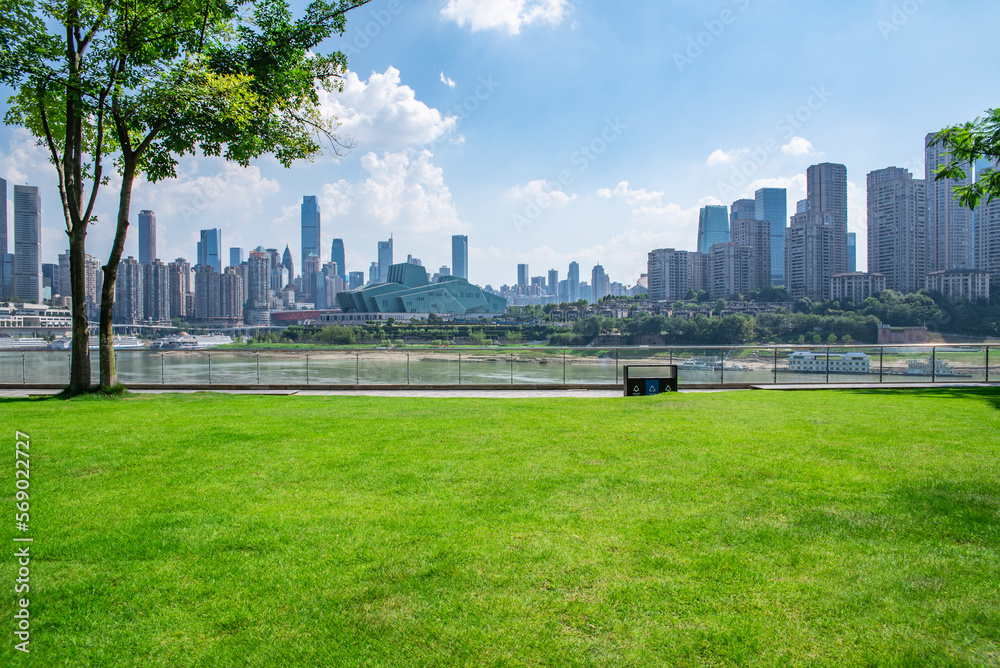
{"x":966,"y":144}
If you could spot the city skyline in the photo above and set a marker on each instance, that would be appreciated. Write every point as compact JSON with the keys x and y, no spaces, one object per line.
{"x":599,"y":178}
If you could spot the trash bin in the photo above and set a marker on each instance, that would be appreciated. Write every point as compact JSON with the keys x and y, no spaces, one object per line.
{"x":648,"y":380}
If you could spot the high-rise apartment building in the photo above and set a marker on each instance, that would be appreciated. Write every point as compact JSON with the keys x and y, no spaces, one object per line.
{"x":553,"y":282}
{"x":897,"y":228}
{"x":94,"y":277}
{"x":713,"y":227}
{"x":523,"y":277}
{"x":809,"y":255}
{"x":742,"y":209}
{"x":384,"y":259}
{"x":259,"y":283}
{"x":771,"y":205}
{"x":756,"y":234}
{"x":338,"y":257}
{"x":311,"y":228}
{"x":210,"y":250}
{"x":147,"y":236}
{"x":988,"y":234}
{"x":65,"y":282}
{"x":27,"y":272}
{"x":6,"y":264}
{"x":179,"y":272}
{"x":730,"y":270}
{"x":826,"y":194}
{"x":950,"y":238}
{"x":232,"y":295}
{"x":156,"y":292}
{"x":235,"y":257}
{"x":674,"y":273}
{"x":573,"y":278}
{"x":460,"y":256}
{"x":128,"y":308}
{"x":312,"y":267}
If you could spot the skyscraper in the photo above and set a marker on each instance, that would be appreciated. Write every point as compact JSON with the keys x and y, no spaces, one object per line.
{"x":950,"y":238}
{"x":988,"y":233}
{"x":180,"y":285}
{"x":235,"y":257}
{"x":553,"y":283}
{"x":210,"y":249}
{"x":258,"y":289}
{"x":771,"y":205}
{"x":742,"y":209}
{"x":809,"y":253}
{"x":460,"y":256}
{"x":384,"y":259}
{"x":156,"y":292}
{"x":852,"y":252}
{"x":128,"y":307}
{"x":573,"y":276}
{"x":6,"y":258}
{"x":522,"y":276}
{"x":826,"y":194}
{"x":337,"y":255}
{"x":147,"y":236}
{"x":27,"y":272}
{"x":311,"y":228}
{"x":713,"y":227}
{"x":756,"y":234}
{"x":897,"y":228}
{"x":287,"y":263}
{"x":600,"y":283}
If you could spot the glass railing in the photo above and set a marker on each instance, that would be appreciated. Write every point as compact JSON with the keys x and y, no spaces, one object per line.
{"x":525,"y":366}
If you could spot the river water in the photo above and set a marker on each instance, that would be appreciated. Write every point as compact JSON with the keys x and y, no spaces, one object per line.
{"x":470,"y":367}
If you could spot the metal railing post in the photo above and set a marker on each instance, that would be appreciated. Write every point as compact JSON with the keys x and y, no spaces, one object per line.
{"x":357,"y":368}
{"x":828,"y":365}
{"x":407,"y":368}
{"x":512,"y":368}
{"x":24,"y":369}
{"x":933,"y":365}
{"x":163,"y":379}
{"x":564,"y":366}
{"x":775,"y":366}
{"x":210,"y":368}
{"x":307,"y":368}
{"x":616,"y":365}
{"x":881,"y":352}
{"x":258,"y":368}
{"x":460,"y":368}
{"x":987,"y":364}
{"x":723,"y":376}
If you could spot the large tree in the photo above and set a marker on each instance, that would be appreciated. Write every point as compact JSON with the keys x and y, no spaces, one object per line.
{"x":150,"y":82}
{"x":966,"y":144}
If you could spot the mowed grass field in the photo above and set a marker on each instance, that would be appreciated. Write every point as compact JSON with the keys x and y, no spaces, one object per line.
{"x":829,"y":528}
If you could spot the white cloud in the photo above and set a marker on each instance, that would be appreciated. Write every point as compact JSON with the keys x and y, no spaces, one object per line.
{"x":509,"y":15}
{"x":447,"y":81}
{"x":799,"y":146}
{"x":634,"y":197}
{"x":720,"y":157}
{"x":382,"y":114}
{"x":403,"y":192}
{"x":541,"y":192}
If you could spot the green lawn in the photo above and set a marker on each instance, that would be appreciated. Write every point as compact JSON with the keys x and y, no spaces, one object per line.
{"x":737,"y":529}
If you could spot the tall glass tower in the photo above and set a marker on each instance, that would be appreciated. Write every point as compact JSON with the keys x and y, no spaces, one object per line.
{"x":147,"y":236}
{"x":573,"y":277}
{"x":210,"y":249}
{"x":460,"y":256}
{"x":384,"y":259}
{"x":27,"y":244}
{"x":337,"y":255}
{"x":713,"y":227}
{"x":310,"y":228}
{"x":772,"y":206}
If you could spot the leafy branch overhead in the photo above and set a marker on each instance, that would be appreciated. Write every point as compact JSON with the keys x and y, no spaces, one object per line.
{"x":967,"y":143}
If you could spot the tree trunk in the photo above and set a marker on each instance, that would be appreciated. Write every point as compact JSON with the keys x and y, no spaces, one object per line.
{"x":109,"y":372}
{"x":79,"y":376}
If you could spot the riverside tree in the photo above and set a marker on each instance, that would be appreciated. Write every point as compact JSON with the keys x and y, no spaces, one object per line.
{"x":145,"y":83}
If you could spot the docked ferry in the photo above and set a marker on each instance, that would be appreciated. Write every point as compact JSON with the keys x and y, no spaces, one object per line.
{"x":22,"y":343}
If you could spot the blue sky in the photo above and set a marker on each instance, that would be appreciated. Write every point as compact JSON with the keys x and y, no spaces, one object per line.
{"x":553,"y":130}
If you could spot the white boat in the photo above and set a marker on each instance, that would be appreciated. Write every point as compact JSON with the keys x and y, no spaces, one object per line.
{"x":923,"y":368}
{"x":119,"y":343}
{"x":22,"y":343}
{"x":700,"y":364}
{"x":184,"y":341}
